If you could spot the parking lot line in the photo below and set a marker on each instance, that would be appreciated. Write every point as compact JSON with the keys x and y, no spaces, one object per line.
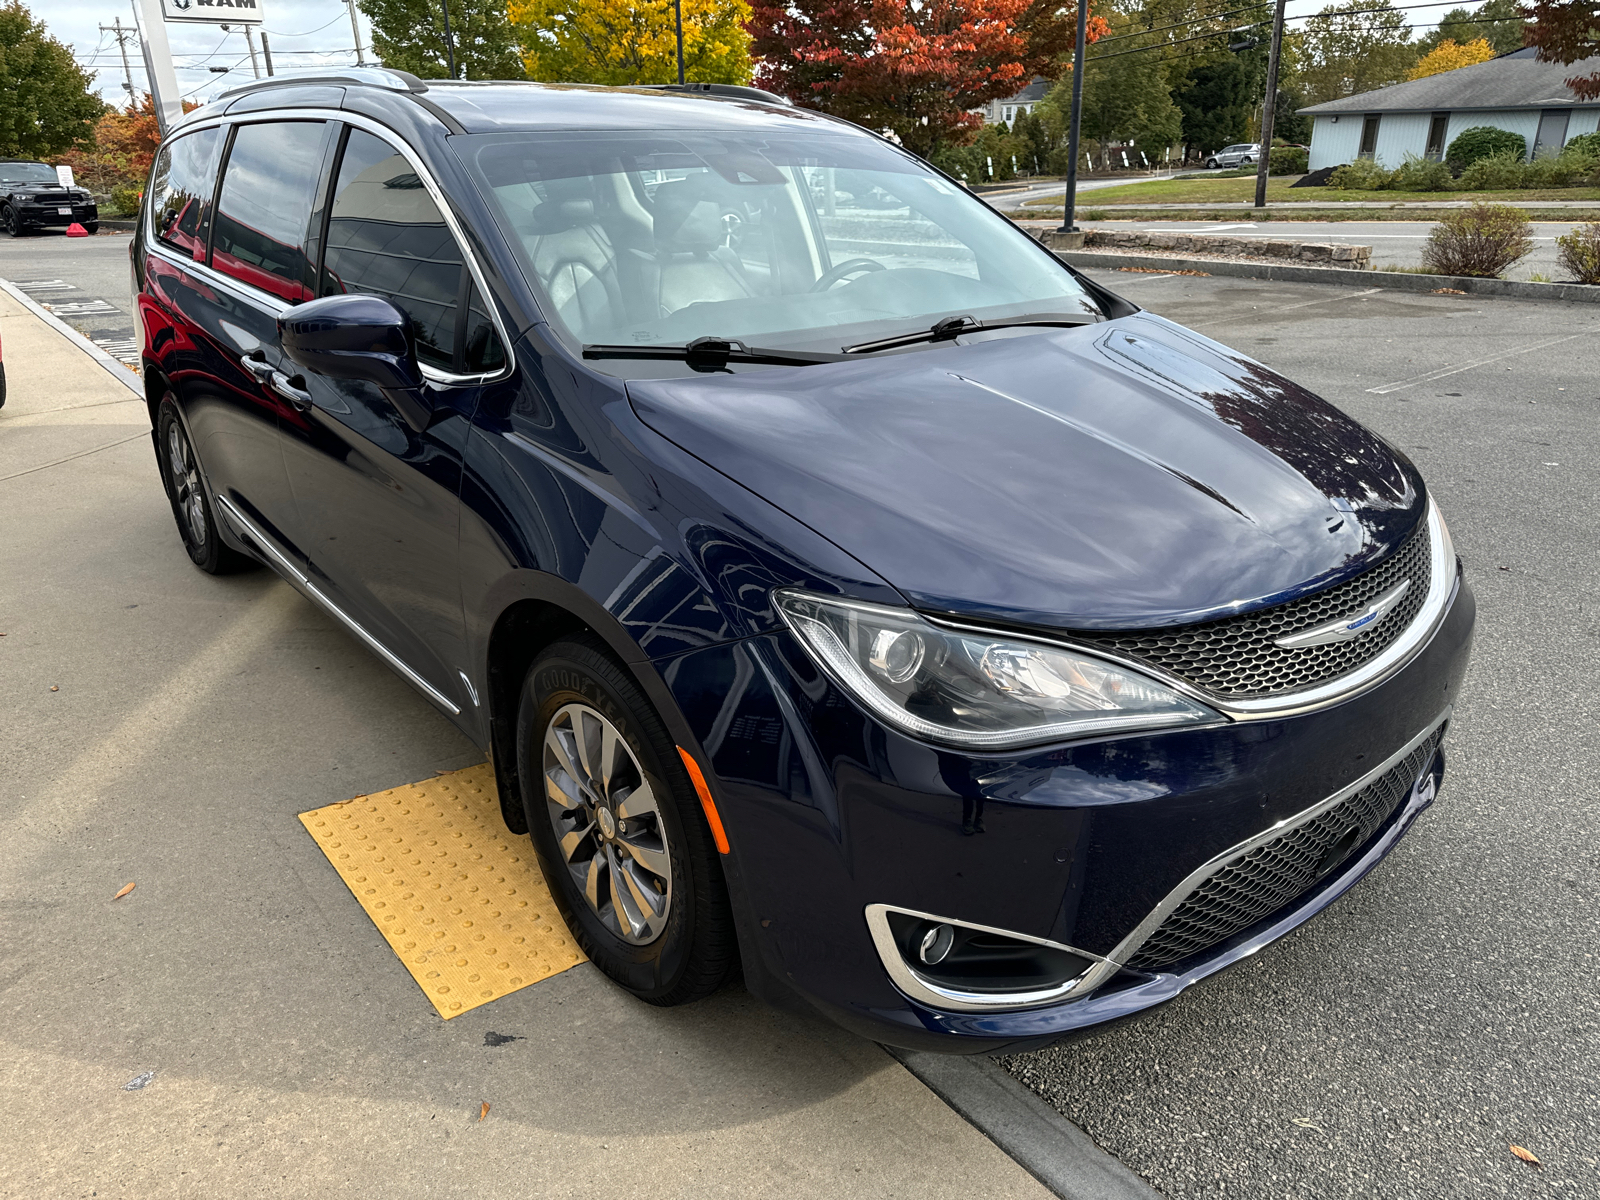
{"x":1402,"y":384}
{"x":458,"y":899}
{"x":1286,"y":307}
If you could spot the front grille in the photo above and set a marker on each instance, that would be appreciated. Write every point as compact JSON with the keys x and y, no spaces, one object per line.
{"x":1235,"y":657}
{"x":1261,"y":881}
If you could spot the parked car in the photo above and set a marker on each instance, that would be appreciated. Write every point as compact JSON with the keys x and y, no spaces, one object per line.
{"x":1243,"y":154}
{"x":871,"y":602}
{"x":31,"y":197}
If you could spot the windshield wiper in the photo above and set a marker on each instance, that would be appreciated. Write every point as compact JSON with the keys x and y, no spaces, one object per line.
{"x":953,"y":327}
{"x":714,"y":354}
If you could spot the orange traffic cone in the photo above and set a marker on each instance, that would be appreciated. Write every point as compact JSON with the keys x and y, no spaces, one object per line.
{"x":76,"y":230}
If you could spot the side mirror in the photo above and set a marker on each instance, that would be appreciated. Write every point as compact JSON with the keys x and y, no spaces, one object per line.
{"x":359,"y":337}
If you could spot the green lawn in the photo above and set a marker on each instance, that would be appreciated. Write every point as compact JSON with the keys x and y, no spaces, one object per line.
{"x":1221,"y":191}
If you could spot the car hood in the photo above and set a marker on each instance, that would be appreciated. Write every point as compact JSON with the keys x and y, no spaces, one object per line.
{"x":1129,"y":474}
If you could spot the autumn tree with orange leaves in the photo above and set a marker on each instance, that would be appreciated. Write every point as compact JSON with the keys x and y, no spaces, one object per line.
{"x":915,"y":68}
{"x":1567,"y":31}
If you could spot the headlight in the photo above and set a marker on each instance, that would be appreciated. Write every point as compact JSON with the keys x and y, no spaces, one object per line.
{"x":975,"y":690}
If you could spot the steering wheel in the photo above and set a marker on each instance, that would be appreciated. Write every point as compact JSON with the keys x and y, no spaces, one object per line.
{"x":850,"y":266}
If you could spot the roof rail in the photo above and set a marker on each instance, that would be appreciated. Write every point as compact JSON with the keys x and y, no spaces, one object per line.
{"x":734,"y":90}
{"x":384,"y":77}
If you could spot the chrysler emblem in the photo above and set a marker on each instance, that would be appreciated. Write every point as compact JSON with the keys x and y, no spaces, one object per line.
{"x":1348,"y":627}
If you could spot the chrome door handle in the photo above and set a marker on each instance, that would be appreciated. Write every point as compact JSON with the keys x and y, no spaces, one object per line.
{"x":259,"y":367}
{"x":292,"y":389}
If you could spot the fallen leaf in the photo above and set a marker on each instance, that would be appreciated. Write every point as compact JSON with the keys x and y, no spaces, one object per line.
{"x":125,"y":890}
{"x":1307,"y":1123}
{"x":484,"y":1112}
{"x":1448,"y":292}
{"x":54,"y":688}
{"x":1526,"y":1156}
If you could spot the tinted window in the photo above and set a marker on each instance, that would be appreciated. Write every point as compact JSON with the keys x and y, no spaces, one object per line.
{"x":386,"y":236}
{"x":180,"y":196}
{"x":264,"y":208}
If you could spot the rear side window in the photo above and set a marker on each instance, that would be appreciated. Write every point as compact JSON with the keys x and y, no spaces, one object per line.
{"x":180,"y":194}
{"x":264,"y":209}
{"x":387,"y":237}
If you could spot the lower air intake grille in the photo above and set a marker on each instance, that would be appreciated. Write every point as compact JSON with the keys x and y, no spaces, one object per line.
{"x":1261,"y":881}
{"x":1238,"y":657}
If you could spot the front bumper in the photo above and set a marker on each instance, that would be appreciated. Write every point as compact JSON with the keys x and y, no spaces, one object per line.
{"x":41,"y":216}
{"x":828,"y":812}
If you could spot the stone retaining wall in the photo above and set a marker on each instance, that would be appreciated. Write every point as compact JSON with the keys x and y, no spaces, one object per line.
{"x":1356,"y":258}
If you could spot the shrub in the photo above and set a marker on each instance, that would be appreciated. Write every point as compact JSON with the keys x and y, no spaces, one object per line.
{"x":1419,"y":175}
{"x":125,"y":200}
{"x":1361,"y":175}
{"x":1579,"y":252}
{"x":1483,"y":141}
{"x":1289,"y":160}
{"x":1563,"y":170}
{"x":1586,"y":144}
{"x":1482,"y":240}
{"x":1497,"y":173}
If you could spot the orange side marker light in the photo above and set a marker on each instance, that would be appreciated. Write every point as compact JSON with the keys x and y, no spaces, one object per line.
{"x":718,"y":834}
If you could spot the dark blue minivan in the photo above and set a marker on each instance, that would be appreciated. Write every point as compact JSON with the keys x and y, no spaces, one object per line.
{"x":846,"y":590}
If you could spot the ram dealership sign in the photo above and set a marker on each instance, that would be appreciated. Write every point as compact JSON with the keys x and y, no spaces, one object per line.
{"x":213,"y":12}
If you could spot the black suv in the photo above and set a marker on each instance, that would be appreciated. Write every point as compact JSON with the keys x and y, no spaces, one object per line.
{"x":31,"y":197}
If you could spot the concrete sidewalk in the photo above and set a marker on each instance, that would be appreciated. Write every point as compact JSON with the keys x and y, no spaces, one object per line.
{"x":163,"y":727}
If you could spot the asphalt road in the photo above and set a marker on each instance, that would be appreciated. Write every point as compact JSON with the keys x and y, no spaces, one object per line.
{"x":84,"y":281}
{"x":1394,"y":243}
{"x":1445,"y":1009}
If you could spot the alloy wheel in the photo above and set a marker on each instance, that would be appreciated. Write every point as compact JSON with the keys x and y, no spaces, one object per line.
{"x":186,"y":491}
{"x":607,"y":822}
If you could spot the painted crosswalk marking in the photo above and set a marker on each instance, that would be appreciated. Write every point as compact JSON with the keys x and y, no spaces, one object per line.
{"x":39,"y":287}
{"x":125,"y":350}
{"x":82,"y":308}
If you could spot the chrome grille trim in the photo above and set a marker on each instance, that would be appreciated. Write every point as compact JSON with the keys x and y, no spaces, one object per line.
{"x":1127,"y":949}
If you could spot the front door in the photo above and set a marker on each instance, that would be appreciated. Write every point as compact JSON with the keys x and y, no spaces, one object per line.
{"x":1552,"y":132}
{"x":377,"y":498}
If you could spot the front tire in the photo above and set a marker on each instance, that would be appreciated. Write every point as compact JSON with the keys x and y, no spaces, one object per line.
{"x":12,"y":220}
{"x":618,"y":829}
{"x":191,"y":507}
{"x":91,"y":227}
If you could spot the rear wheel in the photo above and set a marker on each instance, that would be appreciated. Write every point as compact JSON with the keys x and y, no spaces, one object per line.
{"x":191,"y":507}
{"x":618,"y":828}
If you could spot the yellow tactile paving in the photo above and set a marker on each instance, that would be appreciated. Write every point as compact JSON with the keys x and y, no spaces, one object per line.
{"x":459,"y":899}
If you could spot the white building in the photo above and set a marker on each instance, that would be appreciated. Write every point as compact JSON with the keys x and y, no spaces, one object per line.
{"x":1515,"y":92}
{"x":1007,"y":110}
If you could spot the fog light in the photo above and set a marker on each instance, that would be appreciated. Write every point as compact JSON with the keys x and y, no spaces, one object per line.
{"x":974,"y":968}
{"x":936,"y":944}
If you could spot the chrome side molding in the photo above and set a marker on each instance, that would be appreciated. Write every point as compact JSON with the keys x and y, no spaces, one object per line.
{"x":247,"y":529}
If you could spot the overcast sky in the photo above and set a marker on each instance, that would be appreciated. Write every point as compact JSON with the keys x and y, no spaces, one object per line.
{"x":303,"y":33}
{"x":315,"y":33}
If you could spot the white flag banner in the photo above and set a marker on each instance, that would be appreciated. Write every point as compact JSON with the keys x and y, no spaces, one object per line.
{"x":212,"y":12}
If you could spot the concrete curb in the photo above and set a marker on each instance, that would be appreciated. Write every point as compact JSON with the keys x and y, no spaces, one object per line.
{"x":124,"y":375}
{"x":1284,"y":273}
{"x":1043,"y":1142}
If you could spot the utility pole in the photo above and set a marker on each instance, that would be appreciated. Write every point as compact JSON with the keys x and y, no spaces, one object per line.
{"x":1069,"y":208}
{"x":355,"y":28}
{"x":255,"y":66}
{"x":677,"y":16}
{"x":1267,"y":109}
{"x":123,"y":32}
{"x":266,"y":52}
{"x":449,"y":38}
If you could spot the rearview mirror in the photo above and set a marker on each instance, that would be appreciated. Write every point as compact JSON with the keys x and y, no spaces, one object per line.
{"x":359,"y":337}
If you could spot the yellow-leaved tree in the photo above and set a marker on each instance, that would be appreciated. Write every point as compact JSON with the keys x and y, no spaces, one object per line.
{"x":622,"y":42}
{"x":1448,"y":55}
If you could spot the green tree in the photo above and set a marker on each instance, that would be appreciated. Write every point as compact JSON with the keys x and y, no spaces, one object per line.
{"x":1218,"y":100}
{"x":409,"y":35}
{"x":1503,"y":32}
{"x":620,"y":42}
{"x":45,"y":104}
{"x":1127,"y":98}
{"x":1353,"y":47}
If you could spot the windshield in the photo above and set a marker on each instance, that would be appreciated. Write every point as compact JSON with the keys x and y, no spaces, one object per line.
{"x":25,"y":172}
{"x":798,"y":240}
